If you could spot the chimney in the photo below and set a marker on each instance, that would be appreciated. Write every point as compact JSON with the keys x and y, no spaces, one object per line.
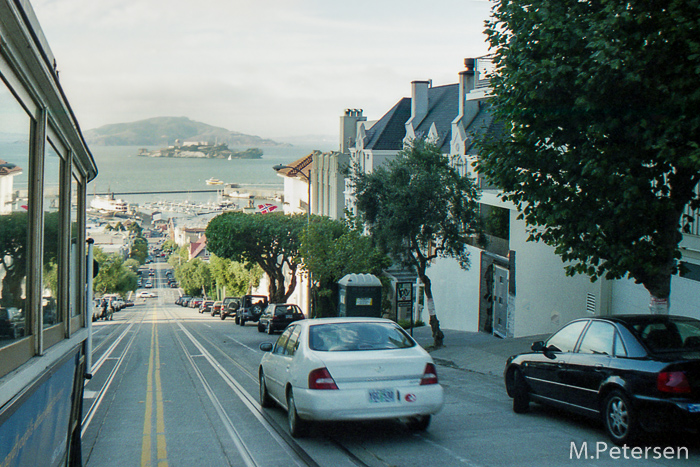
{"x":348,"y":128}
{"x":419,"y":101}
{"x":467,"y":83}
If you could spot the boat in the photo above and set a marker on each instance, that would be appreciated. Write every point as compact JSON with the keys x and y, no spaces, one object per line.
{"x":108,"y":204}
{"x":238,"y":194}
{"x":214,"y":181}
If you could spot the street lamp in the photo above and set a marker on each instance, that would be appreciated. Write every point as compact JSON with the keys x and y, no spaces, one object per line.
{"x":277,"y":168}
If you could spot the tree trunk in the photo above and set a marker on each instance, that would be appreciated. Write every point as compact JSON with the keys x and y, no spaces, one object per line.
{"x":292,"y":284}
{"x":438,"y":336}
{"x":658,"y":305}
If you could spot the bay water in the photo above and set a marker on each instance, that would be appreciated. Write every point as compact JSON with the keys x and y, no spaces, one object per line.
{"x":121,"y":171}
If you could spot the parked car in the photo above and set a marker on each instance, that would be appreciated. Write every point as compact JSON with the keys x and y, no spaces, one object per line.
{"x":186,"y":301}
{"x":216,"y":308}
{"x":348,"y":369}
{"x":205,"y":306}
{"x":277,"y":316}
{"x":230,"y":307}
{"x":146,"y":294}
{"x":12,"y":322}
{"x":195,"y":302}
{"x":637,"y":372}
{"x":251,"y":308}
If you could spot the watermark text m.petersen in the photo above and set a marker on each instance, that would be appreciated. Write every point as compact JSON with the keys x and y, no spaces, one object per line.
{"x":603,"y":450}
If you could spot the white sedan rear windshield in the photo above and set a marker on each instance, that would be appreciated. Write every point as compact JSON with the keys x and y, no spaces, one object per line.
{"x":335,"y":337}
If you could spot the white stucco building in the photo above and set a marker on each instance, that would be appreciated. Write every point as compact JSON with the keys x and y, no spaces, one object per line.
{"x":513,"y":287}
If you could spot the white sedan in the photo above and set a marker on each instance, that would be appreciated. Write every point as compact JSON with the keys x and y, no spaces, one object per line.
{"x":349,"y":369}
{"x":145,"y":294}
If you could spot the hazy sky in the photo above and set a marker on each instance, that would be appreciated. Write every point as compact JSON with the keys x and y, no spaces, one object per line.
{"x":272,"y":68}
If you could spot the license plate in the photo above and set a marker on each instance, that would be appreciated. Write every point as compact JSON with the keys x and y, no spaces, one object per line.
{"x":694,"y":408}
{"x":380,"y":396}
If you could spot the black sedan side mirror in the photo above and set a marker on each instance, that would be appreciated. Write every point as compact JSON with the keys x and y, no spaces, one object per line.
{"x":265,"y":346}
{"x":538,"y":346}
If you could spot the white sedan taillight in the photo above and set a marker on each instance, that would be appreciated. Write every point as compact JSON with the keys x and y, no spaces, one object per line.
{"x":429,"y":375}
{"x":320,"y":378}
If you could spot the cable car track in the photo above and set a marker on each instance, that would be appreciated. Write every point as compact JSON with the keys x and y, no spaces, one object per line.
{"x":89,"y":414}
{"x":204,"y":345}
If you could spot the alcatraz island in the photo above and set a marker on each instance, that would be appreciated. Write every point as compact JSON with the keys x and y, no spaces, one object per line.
{"x":202,"y":150}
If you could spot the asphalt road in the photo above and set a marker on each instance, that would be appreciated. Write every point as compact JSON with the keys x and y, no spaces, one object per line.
{"x":177,"y":388}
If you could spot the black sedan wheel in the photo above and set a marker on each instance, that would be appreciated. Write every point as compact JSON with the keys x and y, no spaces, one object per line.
{"x":261,"y":328}
{"x":298,"y":428}
{"x":521,"y":395}
{"x":620,"y":419}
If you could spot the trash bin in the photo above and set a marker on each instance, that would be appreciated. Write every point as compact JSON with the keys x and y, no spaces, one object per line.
{"x":360,"y":295}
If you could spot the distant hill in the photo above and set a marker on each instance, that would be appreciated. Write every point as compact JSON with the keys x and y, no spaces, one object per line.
{"x":163,"y":131}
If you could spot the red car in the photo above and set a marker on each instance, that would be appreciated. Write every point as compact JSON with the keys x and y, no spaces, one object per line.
{"x":216,"y":308}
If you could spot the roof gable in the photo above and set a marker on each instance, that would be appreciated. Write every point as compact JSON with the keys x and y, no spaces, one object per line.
{"x":443,"y":108}
{"x":388,"y":132}
{"x":302,"y":165}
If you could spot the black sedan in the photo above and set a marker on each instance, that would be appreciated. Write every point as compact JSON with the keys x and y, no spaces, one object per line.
{"x":277,"y":316}
{"x":637,"y":372}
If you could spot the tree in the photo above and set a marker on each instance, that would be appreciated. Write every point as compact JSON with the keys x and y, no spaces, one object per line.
{"x":195,"y":277}
{"x":238,"y":279}
{"x":135,"y":228}
{"x":418,"y":208}
{"x":169,"y":246}
{"x":268,"y":240}
{"x":178,"y":257}
{"x":600,"y":100}
{"x":331,"y":249}
{"x":139,"y":249}
{"x":113,"y":276}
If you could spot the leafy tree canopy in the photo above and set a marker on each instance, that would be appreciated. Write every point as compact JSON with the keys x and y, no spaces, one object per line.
{"x":269,"y":240}
{"x":139,"y":249}
{"x":418,"y":208}
{"x":236,"y":278}
{"x":195,"y":278}
{"x":113,"y":276}
{"x":600,"y":100}
{"x":330,"y":250}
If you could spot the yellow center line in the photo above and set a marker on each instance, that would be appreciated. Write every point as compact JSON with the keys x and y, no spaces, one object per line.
{"x":160,"y":418}
{"x":154,"y":374}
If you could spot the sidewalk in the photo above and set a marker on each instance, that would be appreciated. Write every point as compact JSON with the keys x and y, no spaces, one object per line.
{"x":474,"y":351}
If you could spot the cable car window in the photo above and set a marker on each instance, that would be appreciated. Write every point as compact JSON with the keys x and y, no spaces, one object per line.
{"x":74,"y":276}
{"x":14,"y":217}
{"x":52,"y":233}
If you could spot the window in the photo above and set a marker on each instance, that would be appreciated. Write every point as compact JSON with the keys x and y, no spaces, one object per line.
{"x":281,"y":344}
{"x":53,"y":219}
{"x":74,"y":276}
{"x":293,"y":342}
{"x":565,"y":339}
{"x":599,"y":339}
{"x":14,"y":217}
{"x":357,"y":336}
